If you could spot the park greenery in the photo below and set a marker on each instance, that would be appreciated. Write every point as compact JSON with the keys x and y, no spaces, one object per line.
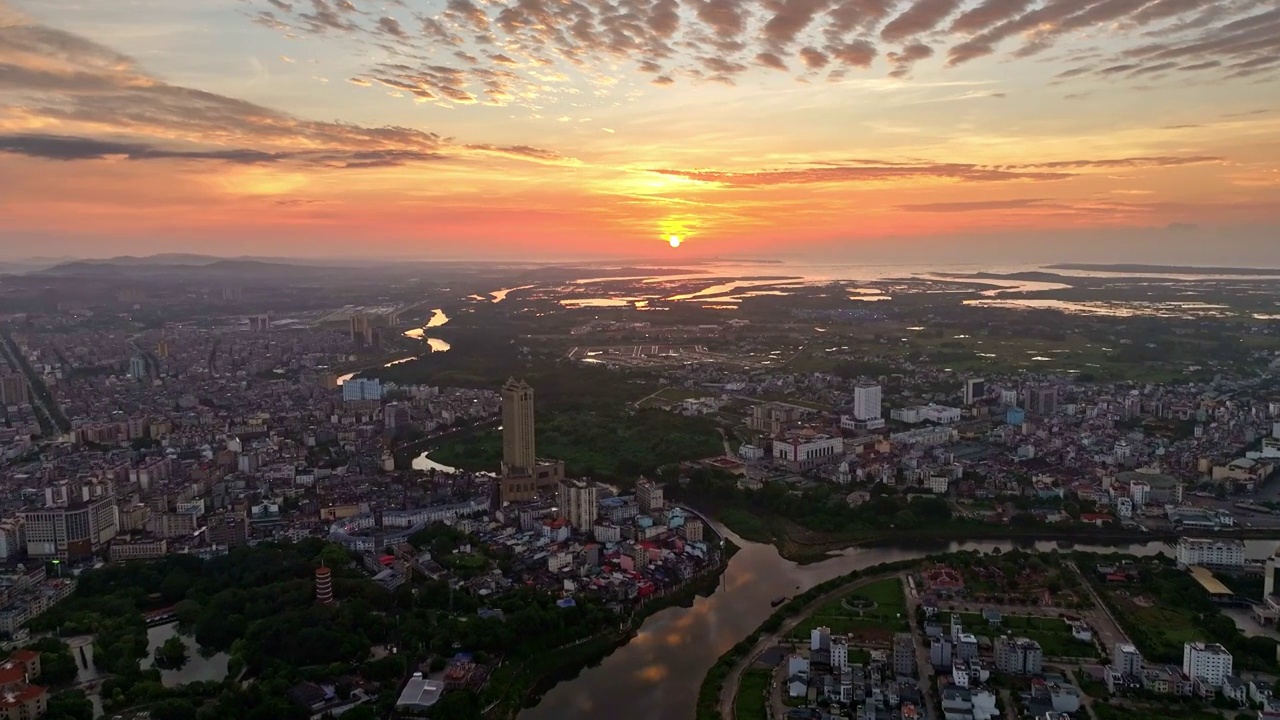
{"x":258,"y":605}
{"x":608,"y":444}
{"x":172,"y":654}
{"x":877,"y":608}
{"x":752,"y":702}
{"x":1164,"y":607}
{"x":806,"y":520}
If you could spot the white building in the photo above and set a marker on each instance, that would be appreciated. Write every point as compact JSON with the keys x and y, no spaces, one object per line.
{"x":819,"y":638}
{"x":1124,"y":507}
{"x":1207,"y":662}
{"x":357,"y":389}
{"x":1126,"y":660}
{"x":839,"y":653}
{"x":939,"y":484}
{"x":925,"y":437}
{"x":1018,"y":656}
{"x":866,"y":401}
{"x":940,"y":414}
{"x":1140,"y":491}
{"x":1210,"y":553}
{"x":750,"y":453}
{"x":606,"y":532}
{"x":806,"y":453}
{"x":649,"y":495}
{"x":559,"y":561}
{"x":577,"y":500}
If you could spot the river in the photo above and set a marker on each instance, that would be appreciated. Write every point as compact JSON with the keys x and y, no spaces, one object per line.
{"x":658,"y":673}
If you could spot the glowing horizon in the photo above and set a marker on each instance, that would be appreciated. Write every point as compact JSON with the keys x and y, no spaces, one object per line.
{"x":531,"y":128}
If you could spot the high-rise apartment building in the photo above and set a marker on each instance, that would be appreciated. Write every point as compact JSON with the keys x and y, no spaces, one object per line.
{"x":974,"y":390}
{"x":361,"y":389}
{"x":13,"y":539}
{"x":649,"y":495}
{"x":13,"y":390}
{"x":1208,"y":662}
{"x":1018,"y":656}
{"x":577,"y":501}
{"x":138,"y":367}
{"x":1126,"y":660}
{"x":904,"y":654}
{"x":866,"y":401}
{"x":1043,"y":400}
{"x":518,"y":455}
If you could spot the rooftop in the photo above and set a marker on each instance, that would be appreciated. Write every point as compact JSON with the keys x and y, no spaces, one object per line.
{"x":420,"y":692}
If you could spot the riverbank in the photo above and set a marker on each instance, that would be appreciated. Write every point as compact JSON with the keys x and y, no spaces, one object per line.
{"x":804,"y":546}
{"x":719,"y":685}
{"x":524,"y":685}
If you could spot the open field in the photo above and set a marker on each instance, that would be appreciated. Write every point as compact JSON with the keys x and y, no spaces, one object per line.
{"x":843,"y":616}
{"x":753,"y":695}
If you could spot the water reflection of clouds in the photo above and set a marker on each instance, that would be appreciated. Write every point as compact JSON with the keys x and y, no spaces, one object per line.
{"x":653,"y":673}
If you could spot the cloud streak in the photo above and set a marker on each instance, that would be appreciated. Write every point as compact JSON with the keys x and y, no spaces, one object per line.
{"x":80,"y":89}
{"x":722,"y":40}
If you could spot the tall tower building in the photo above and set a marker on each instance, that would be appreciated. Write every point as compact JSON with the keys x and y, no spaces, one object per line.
{"x":518,"y":456}
{"x":577,"y":500}
{"x":974,"y":390}
{"x":13,"y":390}
{"x":324,"y":585}
{"x":866,"y":401}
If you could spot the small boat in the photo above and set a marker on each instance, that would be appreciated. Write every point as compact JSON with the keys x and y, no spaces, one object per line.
{"x":778,"y":601}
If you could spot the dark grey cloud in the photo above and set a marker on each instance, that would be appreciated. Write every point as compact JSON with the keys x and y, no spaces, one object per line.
{"x":833,"y":173}
{"x":983,"y":206}
{"x":112,"y":109}
{"x":69,"y":148}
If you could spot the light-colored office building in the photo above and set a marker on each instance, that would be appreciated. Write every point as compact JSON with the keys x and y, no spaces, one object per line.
{"x":1210,"y":553}
{"x":1207,"y":662}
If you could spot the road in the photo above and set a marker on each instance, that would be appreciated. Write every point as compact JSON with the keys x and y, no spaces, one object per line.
{"x":729,"y":693}
{"x":1109,"y":632}
{"x":924,"y":666}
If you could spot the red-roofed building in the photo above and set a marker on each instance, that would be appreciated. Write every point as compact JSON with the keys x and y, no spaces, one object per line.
{"x":18,"y":699}
{"x":25,"y":703}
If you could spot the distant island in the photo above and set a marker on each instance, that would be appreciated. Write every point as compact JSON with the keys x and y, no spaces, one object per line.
{"x":1183,"y":269}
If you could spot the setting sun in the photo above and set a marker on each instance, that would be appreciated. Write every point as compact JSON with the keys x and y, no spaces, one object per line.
{"x":675,"y":241}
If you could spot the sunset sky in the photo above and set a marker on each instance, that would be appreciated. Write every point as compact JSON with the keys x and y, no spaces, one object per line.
{"x":881,"y":129}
